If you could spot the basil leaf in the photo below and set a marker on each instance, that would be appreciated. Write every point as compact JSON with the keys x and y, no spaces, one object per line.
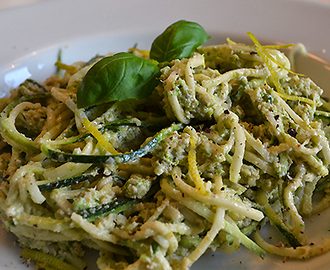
{"x":178,"y":41}
{"x":118,"y":77}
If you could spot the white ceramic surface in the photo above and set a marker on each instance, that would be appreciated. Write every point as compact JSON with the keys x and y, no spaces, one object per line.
{"x":32,"y":35}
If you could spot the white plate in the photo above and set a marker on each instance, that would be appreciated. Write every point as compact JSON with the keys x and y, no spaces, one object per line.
{"x":32,"y":35}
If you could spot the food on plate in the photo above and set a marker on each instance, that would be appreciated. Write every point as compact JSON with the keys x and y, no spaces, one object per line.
{"x":154,"y":157}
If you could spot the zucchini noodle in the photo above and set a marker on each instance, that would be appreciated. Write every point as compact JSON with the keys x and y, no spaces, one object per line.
{"x":230,"y":141}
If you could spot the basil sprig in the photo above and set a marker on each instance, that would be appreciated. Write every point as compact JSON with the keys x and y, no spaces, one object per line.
{"x":118,"y":77}
{"x":126,"y":76}
{"x":178,"y":41}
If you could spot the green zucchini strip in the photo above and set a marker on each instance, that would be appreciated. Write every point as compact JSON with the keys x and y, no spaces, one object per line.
{"x":93,"y":213}
{"x":128,"y":122}
{"x":66,"y":182}
{"x":322,"y":115}
{"x":324,"y":184}
{"x":279,"y":224}
{"x":233,"y":230}
{"x":49,"y":260}
{"x":9,"y":131}
{"x":61,"y":156}
{"x":116,"y":123}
